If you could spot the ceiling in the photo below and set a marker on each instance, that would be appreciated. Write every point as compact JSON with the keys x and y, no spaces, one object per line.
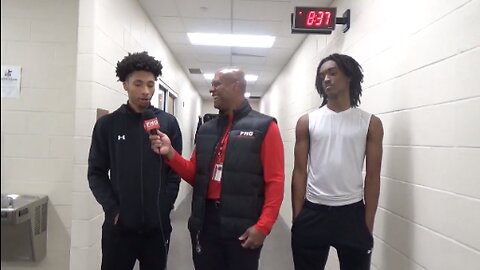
{"x":174,"y":18}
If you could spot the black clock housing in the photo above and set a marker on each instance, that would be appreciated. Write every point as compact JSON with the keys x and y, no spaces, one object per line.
{"x":318,"y":20}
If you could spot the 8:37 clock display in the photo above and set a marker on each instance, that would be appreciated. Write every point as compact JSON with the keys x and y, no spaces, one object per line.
{"x":306,"y":18}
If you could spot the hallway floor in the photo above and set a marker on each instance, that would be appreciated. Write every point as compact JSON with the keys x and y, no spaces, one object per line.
{"x":276,"y":252}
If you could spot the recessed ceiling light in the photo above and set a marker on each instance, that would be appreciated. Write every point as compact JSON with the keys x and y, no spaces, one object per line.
{"x":248,"y":77}
{"x":230,"y":40}
{"x":208,"y":76}
{"x":251,"y":77}
{"x":247,"y":94}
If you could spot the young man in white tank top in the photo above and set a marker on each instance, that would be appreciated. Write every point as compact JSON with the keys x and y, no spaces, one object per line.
{"x":333,"y":206}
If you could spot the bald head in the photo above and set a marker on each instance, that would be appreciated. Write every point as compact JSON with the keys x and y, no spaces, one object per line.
{"x":228,"y":89}
{"x":233,"y":74}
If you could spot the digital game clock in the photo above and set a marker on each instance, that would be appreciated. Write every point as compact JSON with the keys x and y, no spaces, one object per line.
{"x":317,"y":20}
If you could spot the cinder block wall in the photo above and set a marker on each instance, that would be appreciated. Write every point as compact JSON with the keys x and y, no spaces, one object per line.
{"x":420,"y":60}
{"x":38,"y":127}
{"x":68,"y":51}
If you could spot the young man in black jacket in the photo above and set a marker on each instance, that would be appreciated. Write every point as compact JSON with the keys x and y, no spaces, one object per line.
{"x":136,"y":190}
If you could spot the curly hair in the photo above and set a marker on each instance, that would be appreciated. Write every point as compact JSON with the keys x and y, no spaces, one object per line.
{"x":351,"y":68}
{"x":138,"y":61}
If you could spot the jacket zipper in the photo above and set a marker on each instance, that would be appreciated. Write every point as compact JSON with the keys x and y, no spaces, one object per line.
{"x":141,"y":179}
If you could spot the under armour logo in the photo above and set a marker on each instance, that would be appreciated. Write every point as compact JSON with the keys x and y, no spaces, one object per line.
{"x":121,"y":137}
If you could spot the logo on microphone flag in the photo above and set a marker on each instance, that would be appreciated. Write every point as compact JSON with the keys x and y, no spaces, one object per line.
{"x":151,"y":124}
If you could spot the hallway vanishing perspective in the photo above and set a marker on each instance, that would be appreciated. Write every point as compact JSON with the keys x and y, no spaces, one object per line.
{"x":420,"y":61}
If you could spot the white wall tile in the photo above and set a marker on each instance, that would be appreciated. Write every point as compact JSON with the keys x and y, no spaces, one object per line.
{"x":86,"y":14}
{"x":14,"y":122}
{"x":84,"y":122}
{"x":23,"y":146}
{"x":80,"y":182}
{"x":424,"y":247}
{"x":109,"y":50}
{"x":26,"y":169}
{"x":44,"y":100}
{"x":424,"y":48}
{"x":447,"y":80}
{"x":104,"y":73}
{"x":52,"y":31}
{"x":86,"y":258}
{"x":86,"y":40}
{"x":384,"y":257}
{"x":85,"y":233}
{"x":110,"y":23}
{"x":84,"y":206}
{"x":81,"y":148}
{"x":30,"y":54}
{"x":435,"y":167}
{"x":467,"y":124}
{"x":61,"y":147}
{"x":16,"y":29}
{"x":428,"y":207}
{"x":59,"y":124}
{"x":85,"y":66}
{"x":65,"y":55}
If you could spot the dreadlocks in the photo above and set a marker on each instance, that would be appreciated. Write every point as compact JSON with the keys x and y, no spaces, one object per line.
{"x":351,"y":68}
{"x":138,"y":61}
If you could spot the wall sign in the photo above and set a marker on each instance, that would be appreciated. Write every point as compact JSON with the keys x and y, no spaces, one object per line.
{"x":11,"y":78}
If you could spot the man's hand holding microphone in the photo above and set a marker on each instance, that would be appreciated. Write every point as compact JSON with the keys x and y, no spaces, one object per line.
{"x":161,"y":144}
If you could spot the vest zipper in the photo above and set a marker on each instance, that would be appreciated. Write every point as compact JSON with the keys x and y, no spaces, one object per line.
{"x":198,"y":247}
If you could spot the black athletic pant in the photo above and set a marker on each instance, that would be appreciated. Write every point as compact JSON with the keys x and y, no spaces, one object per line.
{"x":214,"y":252}
{"x":121,"y":248}
{"x":318,"y":227}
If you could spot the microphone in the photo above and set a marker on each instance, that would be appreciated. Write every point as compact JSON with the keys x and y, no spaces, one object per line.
{"x":150,"y":122}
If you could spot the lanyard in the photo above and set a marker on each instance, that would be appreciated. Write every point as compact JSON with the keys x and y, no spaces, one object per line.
{"x":223,"y":142}
{"x":220,"y":155}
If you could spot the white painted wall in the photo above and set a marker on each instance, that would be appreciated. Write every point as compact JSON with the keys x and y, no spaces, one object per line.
{"x":38,"y":127}
{"x":68,"y":51}
{"x":422,"y":81}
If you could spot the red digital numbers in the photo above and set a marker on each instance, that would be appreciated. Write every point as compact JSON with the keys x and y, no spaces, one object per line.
{"x":318,"y":18}
{"x":312,"y":19}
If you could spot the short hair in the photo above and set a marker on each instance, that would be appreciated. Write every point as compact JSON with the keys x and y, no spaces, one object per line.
{"x":138,"y":61}
{"x":351,"y":68}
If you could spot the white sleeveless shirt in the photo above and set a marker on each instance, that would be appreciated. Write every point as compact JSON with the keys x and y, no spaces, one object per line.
{"x":337,"y":151}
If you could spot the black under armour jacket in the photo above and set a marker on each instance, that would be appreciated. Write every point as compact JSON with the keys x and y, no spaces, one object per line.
{"x":126,"y":176}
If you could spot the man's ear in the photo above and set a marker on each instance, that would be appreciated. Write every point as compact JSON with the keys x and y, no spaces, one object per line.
{"x":125,"y":85}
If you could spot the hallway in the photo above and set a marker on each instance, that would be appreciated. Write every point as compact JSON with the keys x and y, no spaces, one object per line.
{"x":278,"y":242}
{"x":420,"y":61}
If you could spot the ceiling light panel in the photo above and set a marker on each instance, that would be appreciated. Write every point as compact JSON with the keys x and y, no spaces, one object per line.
{"x":248,"y":77}
{"x":230,"y":40}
